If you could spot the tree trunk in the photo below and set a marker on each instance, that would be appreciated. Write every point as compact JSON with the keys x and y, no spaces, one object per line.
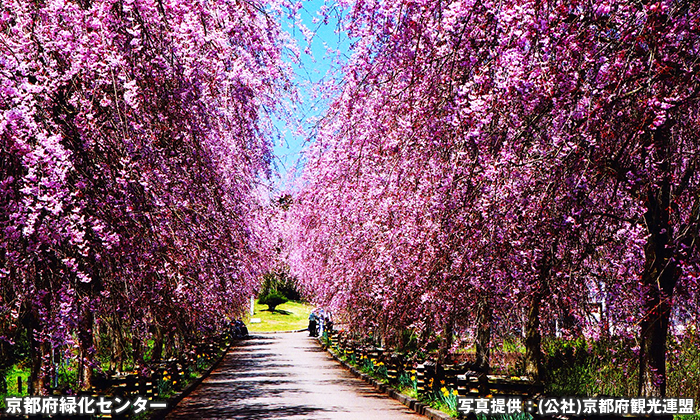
{"x":136,"y":350}
{"x":34,"y":380}
{"x":533,"y":352}
{"x":446,"y":343}
{"x":157,"y":353}
{"x":49,"y":370}
{"x":659,"y":279}
{"x":87,"y":347}
{"x":383,"y":342}
{"x":38,"y":351}
{"x":533,"y":338}
{"x":660,"y":275}
{"x":483,"y":335}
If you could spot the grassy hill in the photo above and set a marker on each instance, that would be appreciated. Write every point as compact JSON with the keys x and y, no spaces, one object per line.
{"x":287,"y":317}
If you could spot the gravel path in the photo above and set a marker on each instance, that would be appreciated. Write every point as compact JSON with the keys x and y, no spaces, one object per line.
{"x":285,"y":376}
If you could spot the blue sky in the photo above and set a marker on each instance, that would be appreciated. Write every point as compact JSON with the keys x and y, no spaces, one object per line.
{"x":313,"y":67}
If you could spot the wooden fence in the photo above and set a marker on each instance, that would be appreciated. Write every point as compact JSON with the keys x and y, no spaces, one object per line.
{"x":166,"y":376}
{"x":432,"y":376}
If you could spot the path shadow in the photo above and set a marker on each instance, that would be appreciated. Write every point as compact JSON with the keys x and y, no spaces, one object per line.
{"x":277,"y":311}
{"x":262,"y":380}
{"x":246,"y":385}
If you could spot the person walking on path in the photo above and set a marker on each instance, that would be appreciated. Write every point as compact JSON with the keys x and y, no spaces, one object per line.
{"x":313,"y":324}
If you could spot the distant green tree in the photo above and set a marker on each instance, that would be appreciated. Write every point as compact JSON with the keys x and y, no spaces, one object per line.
{"x":272,"y":300}
{"x":282,"y":282}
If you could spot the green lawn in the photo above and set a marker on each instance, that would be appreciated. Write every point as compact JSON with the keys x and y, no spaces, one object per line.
{"x":287,"y":317}
{"x":11,"y":379}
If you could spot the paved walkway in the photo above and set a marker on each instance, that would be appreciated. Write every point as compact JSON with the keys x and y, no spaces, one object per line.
{"x":285,"y":376}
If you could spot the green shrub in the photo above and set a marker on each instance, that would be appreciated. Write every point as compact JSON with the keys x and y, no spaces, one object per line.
{"x":272,"y":300}
{"x":583,"y":368}
{"x":683,"y":365}
{"x":282,"y":282}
